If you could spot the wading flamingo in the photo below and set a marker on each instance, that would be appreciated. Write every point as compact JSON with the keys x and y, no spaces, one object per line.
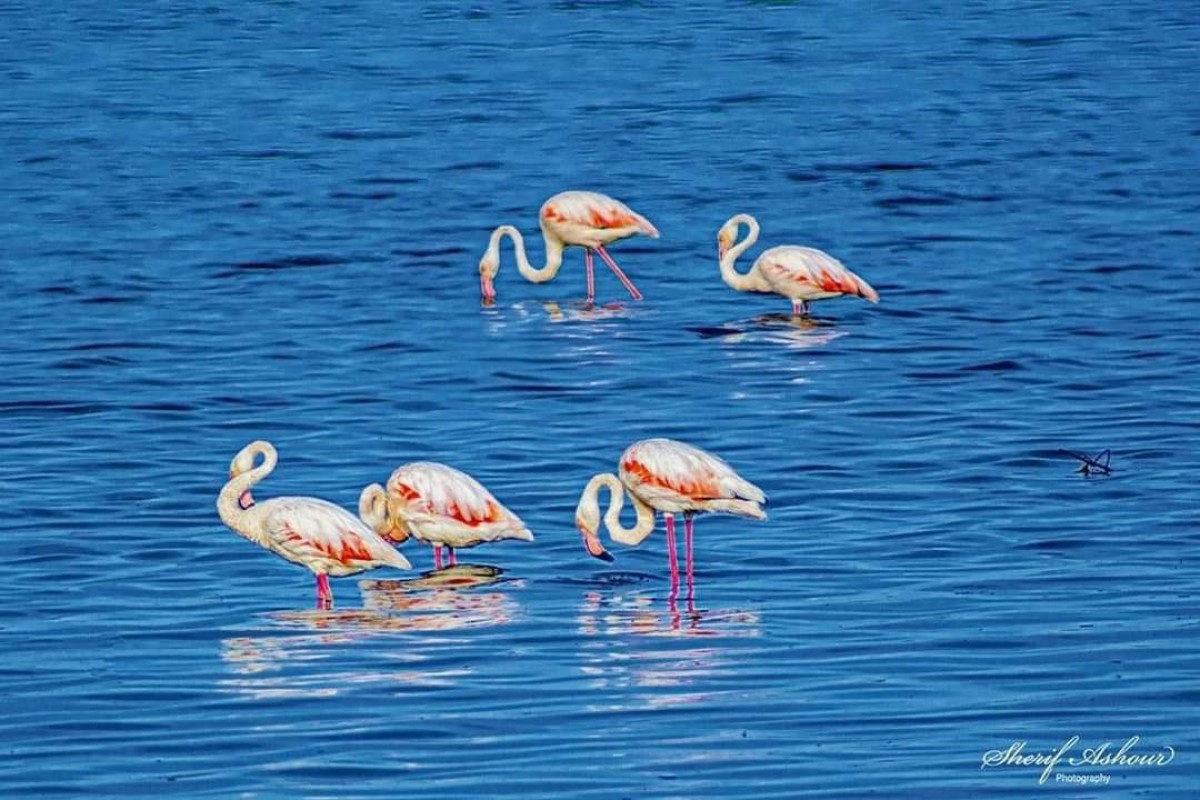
{"x":313,"y":533}
{"x":441,"y":506}
{"x":583,"y":219}
{"x":801,"y":274}
{"x":671,"y":477}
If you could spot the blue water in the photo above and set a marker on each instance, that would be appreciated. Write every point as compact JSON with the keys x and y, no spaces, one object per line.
{"x":238,"y":221}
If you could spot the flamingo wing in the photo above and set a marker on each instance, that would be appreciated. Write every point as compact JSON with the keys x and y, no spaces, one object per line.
{"x":673,"y":471}
{"x":319,"y":534}
{"x":439,"y":492}
{"x":806,"y":272}
{"x":596,"y":211}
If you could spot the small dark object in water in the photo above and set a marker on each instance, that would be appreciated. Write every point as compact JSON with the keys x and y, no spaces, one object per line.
{"x":1090,"y":466}
{"x":715,"y":331}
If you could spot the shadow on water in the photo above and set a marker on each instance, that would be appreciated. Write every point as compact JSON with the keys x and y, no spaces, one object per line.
{"x":300,"y":654}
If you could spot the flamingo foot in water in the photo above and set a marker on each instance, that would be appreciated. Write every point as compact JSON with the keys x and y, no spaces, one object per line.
{"x":800,"y":308}
{"x":621,"y":276}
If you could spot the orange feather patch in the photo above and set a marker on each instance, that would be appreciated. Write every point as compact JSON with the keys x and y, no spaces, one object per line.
{"x":831,"y":283}
{"x":700,"y":489}
{"x":492,"y":514}
{"x":349,"y":547}
{"x":407,"y":492}
{"x":353,"y":549}
{"x":614,"y":219}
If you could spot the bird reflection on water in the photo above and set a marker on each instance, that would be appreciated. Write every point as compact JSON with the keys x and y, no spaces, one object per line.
{"x":666,"y":652}
{"x":586,"y":312}
{"x":296,"y":661}
{"x":795,"y":333}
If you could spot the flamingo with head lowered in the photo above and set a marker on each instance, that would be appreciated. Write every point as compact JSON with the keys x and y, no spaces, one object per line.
{"x":802,"y":274}
{"x":439,"y":505}
{"x":670,"y":477}
{"x":582,"y":219}
{"x":313,"y":533}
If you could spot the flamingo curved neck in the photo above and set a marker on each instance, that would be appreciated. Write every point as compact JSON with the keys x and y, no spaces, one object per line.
{"x":743,"y":282}
{"x":554,"y":254}
{"x":228,"y":506}
{"x":612,"y":517}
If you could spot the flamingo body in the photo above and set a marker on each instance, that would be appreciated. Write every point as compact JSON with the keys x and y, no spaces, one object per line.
{"x":668,"y":477}
{"x":806,"y":274}
{"x":439,"y":505}
{"x":802,"y":274}
{"x":589,"y":220}
{"x":324,"y":537}
{"x":314,"y":533}
{"x":676,"y":477}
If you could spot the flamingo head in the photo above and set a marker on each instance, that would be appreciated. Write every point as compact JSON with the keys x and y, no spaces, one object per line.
{"x":587,"y":520}
{"x":389,"y":520}
{"x":375,"y":508}
{"x":394,"y":528}
{"x":396,"y":531}
{"x":489,"y":265}
{"x":726,"y":237}
{"x":242,"y":463}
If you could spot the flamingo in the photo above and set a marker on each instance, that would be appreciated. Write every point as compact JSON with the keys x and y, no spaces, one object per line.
{"x":802,"y":274}
{"x":313,"y":533}
{"x":583,"y":219}
{"x":667,"y":476}
{"x":441,"y":506}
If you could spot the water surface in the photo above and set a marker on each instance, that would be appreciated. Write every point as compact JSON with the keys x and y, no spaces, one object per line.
{"x":224,"y":223}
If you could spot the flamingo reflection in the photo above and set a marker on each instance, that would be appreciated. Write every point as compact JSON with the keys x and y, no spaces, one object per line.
{"x":794,"y":333}
{"x":294,"y":658}
{"x":584,"y":313}
{"x":634,"y":641}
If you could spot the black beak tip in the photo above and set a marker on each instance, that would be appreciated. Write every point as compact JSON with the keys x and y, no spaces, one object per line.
{"x":606,"y":557}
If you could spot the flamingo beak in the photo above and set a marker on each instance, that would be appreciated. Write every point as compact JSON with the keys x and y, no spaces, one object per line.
{"x":486,"y":289}
{"x":245,"y":501}
{"x":591,"y":543}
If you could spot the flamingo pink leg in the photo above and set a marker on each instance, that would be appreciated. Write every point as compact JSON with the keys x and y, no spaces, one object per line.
{"x":617,"y":271}
{"x":324,"y":594}
{"x":800,"y":308}
{"x":437,"y":556}
{"x":453,"y":560}
{"x":687,"y":546}
{"x":591,"y":275}
{"x":672,"y":559}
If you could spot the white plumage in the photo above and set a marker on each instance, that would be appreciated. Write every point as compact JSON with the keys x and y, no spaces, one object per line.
{"x":314,"y":533}
{"x":667,"y":476}
{"x":802,"y":274}
{"x":569,"y":219}
{"x":442,"y":506}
